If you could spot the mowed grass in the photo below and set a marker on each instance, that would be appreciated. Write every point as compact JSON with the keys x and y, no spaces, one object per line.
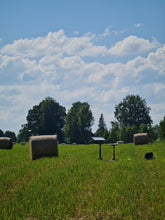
{"x":76,"y":185}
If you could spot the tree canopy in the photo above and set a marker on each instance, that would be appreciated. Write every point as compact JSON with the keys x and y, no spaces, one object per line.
{"x":162,"y":129}
{"x":133,"y":110}
{"x":46,"y":118}
{"x":101,"y":127}
{"x":1,"y":133}
{"x":49,"y":117}
{"x":10,"y":134}
{"x":78,"y":123}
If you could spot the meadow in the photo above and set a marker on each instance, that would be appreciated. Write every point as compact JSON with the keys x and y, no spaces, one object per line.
{"x":76,"y":185}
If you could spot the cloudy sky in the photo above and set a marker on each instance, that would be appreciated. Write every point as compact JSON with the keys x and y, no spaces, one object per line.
{"x":95,"y":51}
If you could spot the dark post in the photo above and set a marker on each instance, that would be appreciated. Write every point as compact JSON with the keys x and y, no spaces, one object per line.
{"x":100,"y":158}
{"x":113,"y":152}
{"x":99,"y":140}
{"x":113,"y":144}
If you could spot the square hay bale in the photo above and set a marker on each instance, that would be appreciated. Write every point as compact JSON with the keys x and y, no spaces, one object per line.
{"x":6,"y":143}
{"x":43,"y":146}
{"x":140,"y":138}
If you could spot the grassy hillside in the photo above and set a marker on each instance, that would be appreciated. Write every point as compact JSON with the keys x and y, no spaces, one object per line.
{"x":76,"y":185}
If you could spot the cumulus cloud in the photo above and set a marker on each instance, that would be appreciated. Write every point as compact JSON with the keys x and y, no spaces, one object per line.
{"x":156,"y":60}
{"x":71,"y":69}
{"x":14,"y":69}
{"x":57,"y":44}
{"x":106,"y":32}
{"x":36,"y":47}
{"x":132,"y":45}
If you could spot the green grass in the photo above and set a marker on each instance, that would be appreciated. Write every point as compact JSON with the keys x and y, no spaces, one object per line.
{"x":76,"y":185}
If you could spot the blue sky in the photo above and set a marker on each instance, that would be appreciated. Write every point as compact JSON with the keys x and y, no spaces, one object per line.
{"x":93,"y":51}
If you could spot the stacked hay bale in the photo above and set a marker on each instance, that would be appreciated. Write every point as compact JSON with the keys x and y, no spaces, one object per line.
{"x":44,"y":145}
{"x":6,"y":143}
{"x":140,"y":138}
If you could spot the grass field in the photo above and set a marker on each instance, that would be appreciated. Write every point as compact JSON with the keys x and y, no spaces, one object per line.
{"x":76,"y":185}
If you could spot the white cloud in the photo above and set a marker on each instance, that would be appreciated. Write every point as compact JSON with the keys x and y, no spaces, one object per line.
{"x":36,"y":47}
{"x":156,"y":60}
{"x":16,"y":69}
{"x":57,"y":44}
{"x":138,"y":25}
{"x":109,"y":32}
{"x":106,"y":32}
{"x":158,"y":88}
{"x":132,"y":45}
{"x":69,"y":70}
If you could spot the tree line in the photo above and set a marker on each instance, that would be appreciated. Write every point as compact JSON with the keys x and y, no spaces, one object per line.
{"x":10,"y":134}
{"x":75,"y":126}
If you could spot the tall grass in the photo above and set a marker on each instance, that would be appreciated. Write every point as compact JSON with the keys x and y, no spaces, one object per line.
{"x":76,"y":185}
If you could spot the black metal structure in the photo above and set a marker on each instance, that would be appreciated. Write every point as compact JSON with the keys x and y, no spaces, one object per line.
{"x":99,"y":140}
{"x":114,"y":144}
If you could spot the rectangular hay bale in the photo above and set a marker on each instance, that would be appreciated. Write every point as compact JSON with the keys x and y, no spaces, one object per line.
{"x":6,"y":143}
{"x":43,"y":146}
{"x":140,"y":138}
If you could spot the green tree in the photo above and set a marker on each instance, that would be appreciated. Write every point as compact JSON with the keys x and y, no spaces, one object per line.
{"x":143,"y":128}
{"x":101,"y":127}
{"x":106,"y":134}
{"x":33,"y":120}
{"x":153,"y":133}
{"x":129,"y":134}
{"x":52,"y":118}
{"x":11,"y":135}
{"x":134,"y":130}
{"x":78,"y":123}
{"x":1,"y":133}
{"x":113,"y":134}
{"x":161,"y":133}
{"x":123,"y":134}
{"x":131,"y":130}
{"x":132,"y":110}
{"x":46,"y":118}
{"x":24,"y":134}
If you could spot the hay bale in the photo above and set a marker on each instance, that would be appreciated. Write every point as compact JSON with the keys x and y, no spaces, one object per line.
{"x":6,"y":143}
{"x":141,"y":138}
{"x":44,"y":145}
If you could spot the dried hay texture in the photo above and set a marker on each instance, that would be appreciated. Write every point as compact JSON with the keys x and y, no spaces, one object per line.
{"x":141,"y":138}
{"x":43,"y":146}
{"x":6,"y":143}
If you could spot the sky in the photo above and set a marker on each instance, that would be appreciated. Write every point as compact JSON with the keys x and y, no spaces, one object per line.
{"x":95,"y":51}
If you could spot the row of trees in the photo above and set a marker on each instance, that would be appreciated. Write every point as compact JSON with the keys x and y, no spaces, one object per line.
{"x":75,"y":126}
{"x":50,"y":118}
{"x":8,"y":134}
{"x":124,"y":133}
{"x":162,"y":129}
{"x":132,"y":116}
